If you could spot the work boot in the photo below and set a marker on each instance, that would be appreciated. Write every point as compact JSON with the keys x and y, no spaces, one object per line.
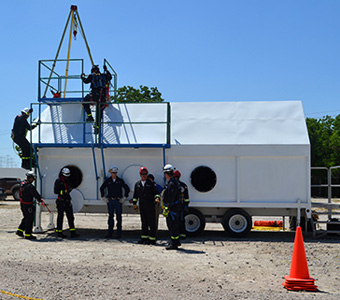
{"x":89,"y":119}
{"x":96,"y":129}
{"x":74,"y":234}
{"x":182,"y":236}
{"x":118,"y":237}
{"x":109,"y":236}
{"x":171,"y":247}
{"x":61,"y":235}
{"x":25,"y":164}
{"x":143,"y":242}
{"x":152,"y":242}
{"x":30,"y":237}
{"x":19,"y":233}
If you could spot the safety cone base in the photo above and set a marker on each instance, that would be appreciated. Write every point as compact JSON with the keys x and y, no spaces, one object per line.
{"x":301,"y":288}
{"x":292,"y":279}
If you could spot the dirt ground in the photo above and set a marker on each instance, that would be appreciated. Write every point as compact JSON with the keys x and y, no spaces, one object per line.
{"x":211,"y":266}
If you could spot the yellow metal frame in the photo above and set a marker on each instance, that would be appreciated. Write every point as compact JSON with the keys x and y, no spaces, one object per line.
{"x":72,"y":15}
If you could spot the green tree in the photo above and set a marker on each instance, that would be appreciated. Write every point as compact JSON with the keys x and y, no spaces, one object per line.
{"x":324,"y":136}
{"x":128,"y":94}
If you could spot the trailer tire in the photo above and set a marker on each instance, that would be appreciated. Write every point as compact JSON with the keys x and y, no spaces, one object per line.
{"x":194,"y":222}
{"x":237,"y":222}
{"x":16,"y":192}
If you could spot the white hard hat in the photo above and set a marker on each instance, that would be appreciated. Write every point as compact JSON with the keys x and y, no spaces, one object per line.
{"x":27,"y":110}
{"x":168,"y":168}
{"x":66,"y":172}
{"x":113,"y":169}
{"x":31,"y":174}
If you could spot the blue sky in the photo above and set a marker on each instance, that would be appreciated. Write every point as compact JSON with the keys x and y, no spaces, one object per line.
{"x":191,"y":50}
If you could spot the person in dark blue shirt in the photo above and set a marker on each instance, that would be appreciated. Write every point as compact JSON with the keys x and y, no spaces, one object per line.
{"x":112,"y":193}
{"x":99,"y":82}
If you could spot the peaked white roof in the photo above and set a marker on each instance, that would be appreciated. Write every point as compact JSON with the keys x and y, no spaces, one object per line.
{"x":192,"y":123}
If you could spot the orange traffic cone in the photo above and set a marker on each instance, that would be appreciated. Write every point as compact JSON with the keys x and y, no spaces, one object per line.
{"x":298,"y":278}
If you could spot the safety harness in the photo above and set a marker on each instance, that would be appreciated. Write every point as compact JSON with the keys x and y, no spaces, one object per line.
{"x":22,"y":185}
{"x":98,"y":80}
{"x":62,"y":191}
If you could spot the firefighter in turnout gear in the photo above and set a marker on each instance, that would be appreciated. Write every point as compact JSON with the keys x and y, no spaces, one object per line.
{"x":184,"y":202}
{"x":98,"y":95}
{"x":146,"y":193}
{"x":172,"y":207}
{"x":62,"y":187}
{"x":20,"y":127}
{"x":112,"y":193}
{"x":27,"y":193}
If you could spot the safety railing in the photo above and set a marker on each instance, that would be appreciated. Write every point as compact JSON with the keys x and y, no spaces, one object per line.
{"x":331,"y":208}
{"x":50,"y":78}
{"x":63,"y":124}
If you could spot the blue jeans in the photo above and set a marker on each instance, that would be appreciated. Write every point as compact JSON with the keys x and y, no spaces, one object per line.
{"x":114,"y":206}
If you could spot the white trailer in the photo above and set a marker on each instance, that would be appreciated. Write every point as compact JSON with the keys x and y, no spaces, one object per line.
{"x":239,"y":159}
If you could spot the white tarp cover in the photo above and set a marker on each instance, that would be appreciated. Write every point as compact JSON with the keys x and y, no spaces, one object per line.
{"x":192,"y":123}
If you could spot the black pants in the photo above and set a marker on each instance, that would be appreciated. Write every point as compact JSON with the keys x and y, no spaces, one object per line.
{"x":64,"y":206}
{"x":148,"y":219}
{"x":182,"y":230}
{"x":97,"y":96}
{"x":172,"y":221}
{"x":27,"y":221}
{"x":25,"y":146}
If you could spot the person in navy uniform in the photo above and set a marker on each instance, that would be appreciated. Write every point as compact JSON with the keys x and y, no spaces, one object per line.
{"x":63,"y":188}
{"x":112,"y":193}
{"x":184,"y":202}
{"x":171,"y":206}
{"x":98,"y":86}
{"x":146,"y":193}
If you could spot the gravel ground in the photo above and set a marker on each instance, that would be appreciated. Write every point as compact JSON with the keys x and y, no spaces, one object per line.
{"x":211,"y":266}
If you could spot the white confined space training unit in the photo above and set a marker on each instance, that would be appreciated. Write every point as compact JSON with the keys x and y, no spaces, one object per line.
{"x":239,"y":159}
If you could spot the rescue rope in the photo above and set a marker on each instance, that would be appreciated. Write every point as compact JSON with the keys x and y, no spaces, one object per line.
{"x":20,"y":296}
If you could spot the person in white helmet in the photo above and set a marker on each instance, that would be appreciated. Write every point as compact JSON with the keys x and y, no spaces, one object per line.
{"x":112,"y":193}
{"x":171,"y":206}
{"x":27,"y":193}
{"x":20,"y":127}
{"x":63,"y":187}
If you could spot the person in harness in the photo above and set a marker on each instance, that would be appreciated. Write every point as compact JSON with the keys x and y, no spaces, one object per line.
{"x":172,"y":207}
{"x":98,"y":94}
{"x":184,"y":202}
{"x":62,"y":187}
{"x":20,"y":128}
{"x":27,"y":193}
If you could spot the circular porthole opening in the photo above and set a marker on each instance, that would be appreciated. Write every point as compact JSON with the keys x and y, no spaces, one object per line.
{"x":76,"y":176}
{"x":203,"y":179}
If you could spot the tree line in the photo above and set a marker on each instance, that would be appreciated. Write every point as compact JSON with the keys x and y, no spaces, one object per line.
{"x":324,"y":136}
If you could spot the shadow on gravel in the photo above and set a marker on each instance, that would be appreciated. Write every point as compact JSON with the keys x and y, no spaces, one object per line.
{"x":209,"y":237}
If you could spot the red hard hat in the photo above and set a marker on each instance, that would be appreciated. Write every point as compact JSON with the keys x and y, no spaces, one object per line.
{"x":143,"y":170}
{"x":177,"y":174}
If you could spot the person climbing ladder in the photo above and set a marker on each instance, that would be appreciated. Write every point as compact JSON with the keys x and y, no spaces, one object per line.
{"x":98,"y":94}
{"x":20,"y":128}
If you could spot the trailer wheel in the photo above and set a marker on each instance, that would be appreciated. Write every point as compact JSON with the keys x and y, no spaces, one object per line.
{"x":194,"y":222}
{"x":237,"y":222}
